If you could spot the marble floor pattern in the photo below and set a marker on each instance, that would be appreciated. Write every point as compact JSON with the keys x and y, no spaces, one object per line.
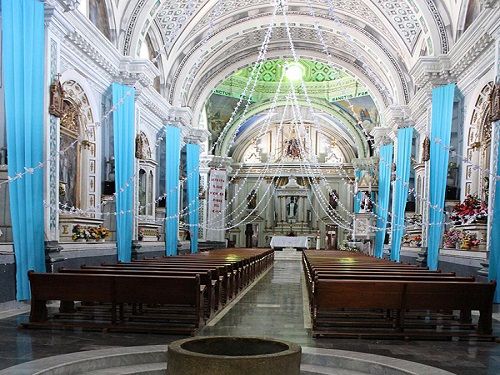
{"x":274,"y":308}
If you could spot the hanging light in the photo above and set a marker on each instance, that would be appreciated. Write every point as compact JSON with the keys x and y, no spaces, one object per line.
{"x":294,"y":72}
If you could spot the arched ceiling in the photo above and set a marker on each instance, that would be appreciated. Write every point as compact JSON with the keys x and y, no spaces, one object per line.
{"x":197,"y":45}
{"x":378,"y":40}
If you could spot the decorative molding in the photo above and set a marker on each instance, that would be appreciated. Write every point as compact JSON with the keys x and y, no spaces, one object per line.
{"x":197,"y":136}
{"x":69,"y":5}
{"x":182,"y":115}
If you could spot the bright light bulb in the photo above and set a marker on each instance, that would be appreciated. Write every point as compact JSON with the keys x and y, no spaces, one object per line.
{"x":293,"y":72}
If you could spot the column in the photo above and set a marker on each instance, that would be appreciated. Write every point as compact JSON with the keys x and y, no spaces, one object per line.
{"x":23,"y":59}
{"x":284,"y":215}
{"x":270,"y":206}
{"x":193,"y":187}
{"x":124,"y":148}
{"x":493,"y":244}
{"x":172,"y":161}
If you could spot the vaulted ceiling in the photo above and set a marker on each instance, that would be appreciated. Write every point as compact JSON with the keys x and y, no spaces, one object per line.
{"x":197,"y":45}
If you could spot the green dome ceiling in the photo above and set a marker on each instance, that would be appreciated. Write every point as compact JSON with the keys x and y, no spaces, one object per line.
{"x":322,"y":81}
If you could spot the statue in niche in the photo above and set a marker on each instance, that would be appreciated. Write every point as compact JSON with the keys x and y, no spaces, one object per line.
{"x":252,"y":200}
{"x":332,"y":200}
{"x":291,"y":208}
{"x":56,"y":107}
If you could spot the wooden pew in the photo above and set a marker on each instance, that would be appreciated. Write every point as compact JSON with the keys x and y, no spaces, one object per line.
{"x":178,"y":293}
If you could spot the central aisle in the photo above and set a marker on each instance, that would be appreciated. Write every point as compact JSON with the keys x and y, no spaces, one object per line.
{"x":273,"y":307}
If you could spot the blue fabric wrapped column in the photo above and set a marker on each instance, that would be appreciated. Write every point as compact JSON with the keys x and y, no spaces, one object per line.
{"x":494,"y":244}
{"x":23,"y":57}
{"x":124,"y":148}
{"x":384,"y":188}
{"x":442,"y":112}
{"x":172,"y":162}
{"x":358,"y":173}
{"x":400,"y":196}
{"x":193,"y":187}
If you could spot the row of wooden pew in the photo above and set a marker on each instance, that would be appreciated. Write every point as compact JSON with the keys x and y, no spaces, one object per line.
{"x":353,"y":295}
{"x":168,"y":294}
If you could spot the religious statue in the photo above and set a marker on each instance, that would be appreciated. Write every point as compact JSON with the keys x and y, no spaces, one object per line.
{"x":56,"y":106}
{"x":291,"y":208}
{"x":366,"y":204}
{"x":252,"y":200}
{"x":139,"y":146}
{"x":426,"y":149}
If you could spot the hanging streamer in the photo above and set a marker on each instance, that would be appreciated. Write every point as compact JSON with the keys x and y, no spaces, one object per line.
{"x":172,"y":162}
{"x":23,"y":58}
{"x":442,"y":112}
{"x":193,"y":187}
{"x":401,"y":186}
{"x":494,"y":244}
{"x":384,"y":188}
{"x":124,"y":149}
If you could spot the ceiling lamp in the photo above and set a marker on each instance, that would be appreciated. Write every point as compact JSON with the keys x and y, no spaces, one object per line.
{"x":294,"y":72}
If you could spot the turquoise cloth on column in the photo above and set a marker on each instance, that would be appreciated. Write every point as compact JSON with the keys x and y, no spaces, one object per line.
{"x":193,"y":187}
{"x":384,"y":188}
{"x":124,"y":152}
{"x":494,"y":246}
{"x":172,"y":162}
{"x":400,"y":195}
{"x":23,"y":58}
{"x":358,"y":173}
{"x":442,"y":113}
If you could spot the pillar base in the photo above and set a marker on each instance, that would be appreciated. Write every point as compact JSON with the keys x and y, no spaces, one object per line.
{"x":422,"y":257}
{"x":52,"y":255}
{"x":136,"y":245}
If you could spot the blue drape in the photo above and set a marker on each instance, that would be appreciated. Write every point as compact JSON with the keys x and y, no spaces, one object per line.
{"x":442,"y":112}
{"x":172,"y":161}
{"x":494,"y":245}
{"x":400,"y":194}
{"x":124,"y":145}
{"x":358,"y":173}
{"x":23,"y":57}
{"x":384,"y":188}
{"x":193,"y":187}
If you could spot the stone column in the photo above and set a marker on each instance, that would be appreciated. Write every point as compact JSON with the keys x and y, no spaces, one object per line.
{"x":270,"y":206}
{"x":284,"y":215}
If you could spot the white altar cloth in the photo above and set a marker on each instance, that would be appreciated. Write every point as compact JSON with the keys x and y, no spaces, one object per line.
{"x":286,"y":241}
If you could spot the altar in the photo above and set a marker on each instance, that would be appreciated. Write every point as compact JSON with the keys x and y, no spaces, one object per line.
{"x":298,"y":242}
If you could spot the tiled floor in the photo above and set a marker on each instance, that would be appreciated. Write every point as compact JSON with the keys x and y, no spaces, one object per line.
{"x":274,"y":308}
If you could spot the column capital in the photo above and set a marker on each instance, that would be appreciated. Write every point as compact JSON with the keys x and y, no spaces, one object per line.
{"x":196,"y":135}
{"x":380,"y":136}
{"x":180,"y":115}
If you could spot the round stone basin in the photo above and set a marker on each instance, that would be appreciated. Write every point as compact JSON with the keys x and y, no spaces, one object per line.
{"x":233,"y":355}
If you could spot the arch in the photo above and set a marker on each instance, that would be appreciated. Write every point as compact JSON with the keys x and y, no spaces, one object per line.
{"x":78,"y":169}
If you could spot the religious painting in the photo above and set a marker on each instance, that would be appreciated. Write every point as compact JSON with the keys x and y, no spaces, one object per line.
{"x":293,"y":148}
{"x":363,"y":109}
{"x":219,"y":109}
{"x":332,"y":199}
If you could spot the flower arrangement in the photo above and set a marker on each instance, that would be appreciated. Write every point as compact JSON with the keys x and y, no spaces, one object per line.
{"x":451,"y":238}
{"x":81,"y":232}
{"x":471,"y":210}
{"x":412,"y":240}
{"x":469,"y":240}
{"x":78,"y":233}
